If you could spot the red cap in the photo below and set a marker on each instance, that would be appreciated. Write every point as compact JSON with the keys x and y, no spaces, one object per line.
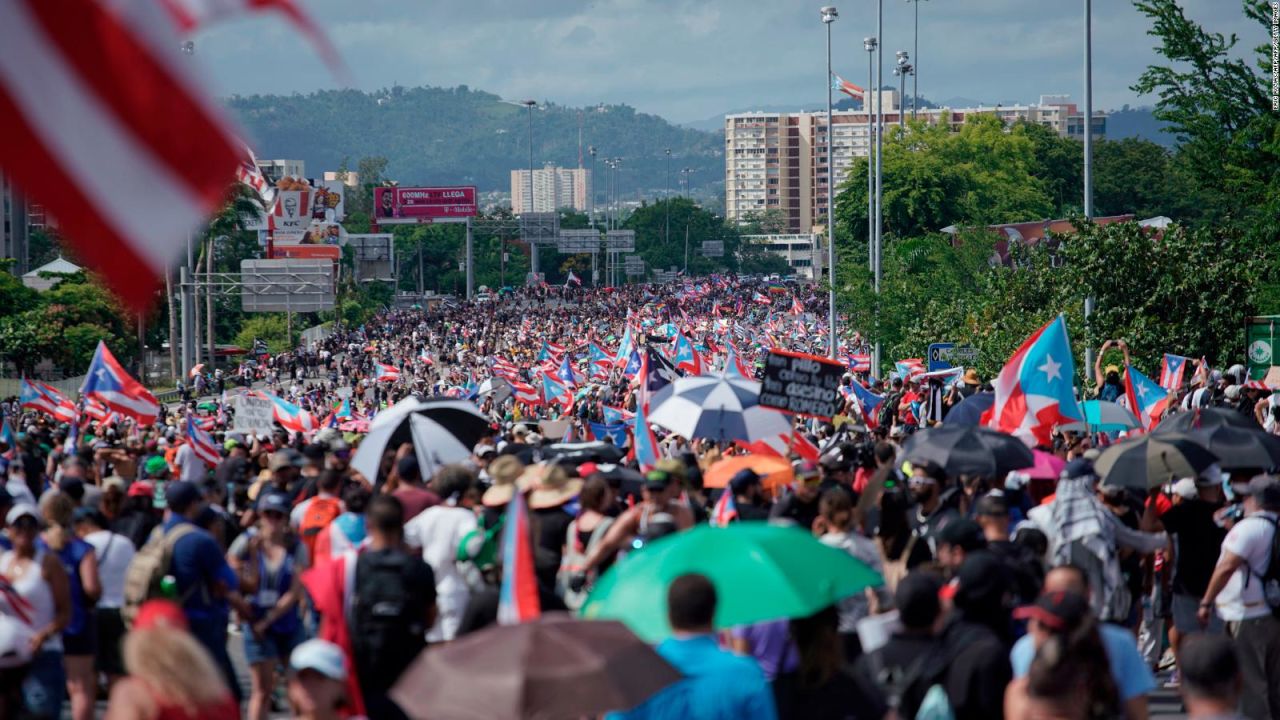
{"x":142,"y":488}
{"x":586,"y":469}
{"x":160,"y":613}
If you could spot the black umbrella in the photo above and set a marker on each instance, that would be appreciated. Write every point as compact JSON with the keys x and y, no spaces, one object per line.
{"x":623,"y":479}
{"x":962,"y":450}
{"x":1206,"y":419}
{"x":578,"y":453}
{"x":442,"y":431}
{"x":969,"y":411}
{"x":1152,"y":460}
{"x":1237,"y":448}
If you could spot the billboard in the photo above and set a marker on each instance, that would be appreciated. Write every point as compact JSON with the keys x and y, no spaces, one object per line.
{"x":423,"y":204}
{"x":578,"y":241}
{"x":286,"y":285}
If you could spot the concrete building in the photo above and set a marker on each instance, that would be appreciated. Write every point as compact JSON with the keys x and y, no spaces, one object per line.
{"x":15,"y":226}
{"x":778,"y":161}
{"x":802,"y":251}
{"x":553,"y":188}
{"x":353,"y":178}
{"x":273,"y":170}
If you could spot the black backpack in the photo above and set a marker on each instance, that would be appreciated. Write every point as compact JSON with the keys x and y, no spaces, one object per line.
{"x":889,"y":409}
{"x":389,"y":628}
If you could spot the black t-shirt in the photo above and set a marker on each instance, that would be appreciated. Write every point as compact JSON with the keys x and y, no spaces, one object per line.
{"x":979,"y":671}
{"x":1198,"y":541}
{"x":385,"y":644}
{"x":793,"y":508}
{"x":925,"y":528}
{"x":751,"y":511}
{"x":553,"y":526}
{"x":845,"y":696}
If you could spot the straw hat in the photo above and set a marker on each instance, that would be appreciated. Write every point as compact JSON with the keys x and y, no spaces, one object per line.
{"x":552,"y":486}
{"x":503,"y":470}
{"x":971,"y":377}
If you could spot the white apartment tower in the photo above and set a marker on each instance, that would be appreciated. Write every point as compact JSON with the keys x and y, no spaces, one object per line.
{"x":553,"y":188}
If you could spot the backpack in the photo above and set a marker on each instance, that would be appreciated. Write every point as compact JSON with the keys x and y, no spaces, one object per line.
{"x":320,"y":512}
{"x":1271,"y":578}
{"x":480,"y":545}
{"x":388,"y":629}
{"x":889,"y":409}
{"x":144,"y":577}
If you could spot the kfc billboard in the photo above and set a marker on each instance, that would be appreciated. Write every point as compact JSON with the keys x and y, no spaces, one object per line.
{"x":423,"y":204}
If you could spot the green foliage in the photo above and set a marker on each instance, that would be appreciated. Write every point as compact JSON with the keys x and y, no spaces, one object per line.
{"x":663,"y":249}
{"x":272,"y":328}
{"x":1140,"y":177}
{"x":456,"y":135}
{"x":14,"y":296}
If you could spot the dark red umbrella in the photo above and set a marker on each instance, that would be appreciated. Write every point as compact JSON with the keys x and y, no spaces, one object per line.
{"x":555,"y":667}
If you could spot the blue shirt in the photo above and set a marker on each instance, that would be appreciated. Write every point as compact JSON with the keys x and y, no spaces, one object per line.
{"x":70,"y":556}
{"x":1128,"y":669}
{"x":718,"y":685}
{"x":198,"y":563}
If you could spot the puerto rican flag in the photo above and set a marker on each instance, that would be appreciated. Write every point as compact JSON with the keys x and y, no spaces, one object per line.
{"x":525,"y":393}
{"x":615,"y":433}
{"x":424,"y":357}
{"x":290,"y":416}
{"x":202,"y":443}
{"x":565,"y":373}
{"x":733,"y":366}
{"x":783,"y":445}
{"x":108,"y":383}
{"x":909,"y":367}
{"x":859,"y":363}
{"x":840,"y":84}
{"x":47,"y":399}
{"x":867,"y":403}
{"x":645,"y":443}
{"x":1034,"y":391}
{"x":725,"y":510}
{"x":193,"y":15}
{"x":7,"y":437}
{"x":386,"y":373}
{"x":248,"y":173}
{"x":1172,"y":368}
{"x":600,"y":361}
{"x":687,"y":359}
{"x":573,"y":280}
{"x":796,"y":307}
{"x":550,"y":352}
{"x":625,"y":348}
{"x":613,"y":415}
{"x":1147,"y":399}
{"x":106,"y":126}
{"x":518,"y":595}
{"x":555,"y":392}
{"x":759,"y":299}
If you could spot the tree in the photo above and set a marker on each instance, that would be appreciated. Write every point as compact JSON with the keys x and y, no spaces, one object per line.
{"x":690,"y":226}
{"x":1060,"y":163}
{"x":271,"y":328}
{"x":1140,"y":177}
{"x":933,"y":177}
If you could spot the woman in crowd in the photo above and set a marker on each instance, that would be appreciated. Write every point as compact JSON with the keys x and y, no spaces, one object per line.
{"x":585,"y":533}
{"x":112,"y":553}
{"x":79,"y":638}
{"x":270,"y":561}
{"x":821,"y":687}
{"x":171,"y":675}
{"x":1070,"y":677}
{"x":36,"y":604}
{"x":835,"y":527}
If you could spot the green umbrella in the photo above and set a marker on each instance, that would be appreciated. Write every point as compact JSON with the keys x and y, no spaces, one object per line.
{"x":210,"y":406}
{"x":761,"y":572}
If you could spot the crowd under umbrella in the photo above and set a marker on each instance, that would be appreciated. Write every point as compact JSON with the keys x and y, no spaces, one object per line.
{"x":774,"y":471}
{"x":964,"y":450}
{"x":1207,"y":419}
{"x":717,"y":407}
{"x":442,"y":431}
{"x":760,"y":571}
{"x":1237,"y":448}
{"x":1149,"y":461}
{"x":969,"y":411}
{"x":1102,"y":416}
{"x":553,"y":667}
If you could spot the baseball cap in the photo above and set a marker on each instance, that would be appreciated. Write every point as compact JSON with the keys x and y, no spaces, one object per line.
{"x":1080,"y":467}
{"x":982,"y":580}
{"x":1055,"y":610}
{"x":1185,"y":488}
{"x":160,"y":614}
{"x":673,"y":466}
{"x":282,"y":459}
{"x":964,"y":534}
{"x":806,"y":469}
{"x":743,"y":479}
{"x":657,"y":479}
{"x":273,"y":502}
{"x":181,"y":495}
{"x":21,"y":510}
{"x":916,"y":598}
{"x":321,"y":656}
{"x":155,"y":466}
{"x":141,"y":488}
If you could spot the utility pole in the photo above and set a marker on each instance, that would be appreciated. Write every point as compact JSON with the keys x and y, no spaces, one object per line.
{"x":829,"y":15}
{"x":1088,"y":164}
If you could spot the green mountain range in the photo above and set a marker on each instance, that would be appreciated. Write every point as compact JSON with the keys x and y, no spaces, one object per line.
{"x":433,"y":136}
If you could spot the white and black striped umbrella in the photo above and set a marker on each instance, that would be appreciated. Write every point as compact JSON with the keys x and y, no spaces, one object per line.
{"x":442,"y":431}
{"x":717,"y":407}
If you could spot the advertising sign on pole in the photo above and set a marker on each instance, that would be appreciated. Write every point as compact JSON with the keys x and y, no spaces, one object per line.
{"x":802,"y":384}
{"x":253,"y":414}
{"x":713,"y":248}
{"x":1260,"y":342}
{"x":620,"y":240}
{"x":394,"y":205}
{"x":573,"y":242}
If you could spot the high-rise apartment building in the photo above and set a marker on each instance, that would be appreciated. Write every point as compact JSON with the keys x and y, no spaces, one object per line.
{"x":273,"y":170}
{"x":778,"y":161}
{"x":553,"y":188}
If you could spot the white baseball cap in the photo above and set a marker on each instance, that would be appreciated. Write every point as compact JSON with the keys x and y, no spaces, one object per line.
{"x":321,"y":656}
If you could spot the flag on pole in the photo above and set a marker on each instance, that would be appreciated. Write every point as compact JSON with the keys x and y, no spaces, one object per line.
{"x":725,"y":510}
{"x":7,"y":437}
{"x":1033,"y":392}
{"x":645,"y":444}
{"x":386,"y":373}
{"x":518,"y":596}
{"x":202,"y":444}
{"x":108,"y":383}
{"x":1172,"y":368}
{"x":555,"y":392}
{"x":106,"y":126}
{"x":1146,"y":398}
{"x":687,"y":359}
{"x":565,"y":372}
{"x":854,"y":91}
{"x":867,"y":403}
{"x":290,"y":416}
{"x":572,"y":280}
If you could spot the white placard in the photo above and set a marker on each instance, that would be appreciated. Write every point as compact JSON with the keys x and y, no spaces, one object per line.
{"x":253,"y":414}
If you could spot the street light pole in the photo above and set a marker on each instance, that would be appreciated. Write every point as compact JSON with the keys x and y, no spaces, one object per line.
{"x":533,"y":243}
{"x":903,"y":69}
{"x":915,"y":53}
{"x":869,"y":44}
{"x":666,"y":234}
{"x":829,"y":15}
{"x":875,"y":363}
{"x":1088,"y":160}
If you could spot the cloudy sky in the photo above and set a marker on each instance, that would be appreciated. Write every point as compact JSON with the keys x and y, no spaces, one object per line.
{"x":691,"y":59}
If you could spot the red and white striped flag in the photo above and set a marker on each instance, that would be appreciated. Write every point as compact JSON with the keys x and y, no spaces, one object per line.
{"x":106,"y":126}
{"x":250,"y":174}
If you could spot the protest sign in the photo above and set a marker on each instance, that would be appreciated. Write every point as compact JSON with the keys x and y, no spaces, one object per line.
{"x":253,"y":414}
{"x":802,"y":384}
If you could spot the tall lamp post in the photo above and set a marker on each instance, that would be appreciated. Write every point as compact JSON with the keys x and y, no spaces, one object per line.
{"x":829,"y":15}
{"x":875,"y":362}
{"x":869,"y":44}
{"x":666,"y":234}
{"x":533,"y":242}
{"x":1088,"y":160}
{"x":903,"y":69}
{"x":915,"y":53}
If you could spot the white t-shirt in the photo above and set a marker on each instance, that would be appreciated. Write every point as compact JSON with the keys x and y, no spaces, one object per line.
{"x":114,"y":553}
{"x":192,"y":468}
{"x":438,"y":530}
{"x":1251,"y":540}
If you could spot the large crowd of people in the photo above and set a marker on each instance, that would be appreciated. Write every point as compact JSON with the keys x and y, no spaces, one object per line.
{"x":135,"y":570}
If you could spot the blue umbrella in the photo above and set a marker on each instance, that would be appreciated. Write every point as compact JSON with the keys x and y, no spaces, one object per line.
{"x":1103,"y":416}
{"x":969,"y":411}
{"x":717,"y":407}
